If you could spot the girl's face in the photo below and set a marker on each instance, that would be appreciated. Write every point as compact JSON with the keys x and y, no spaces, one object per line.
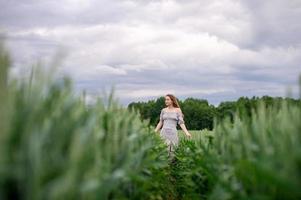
{"x":168,"y":101}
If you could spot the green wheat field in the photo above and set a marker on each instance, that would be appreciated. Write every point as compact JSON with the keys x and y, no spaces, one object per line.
{"x":54,"y":146}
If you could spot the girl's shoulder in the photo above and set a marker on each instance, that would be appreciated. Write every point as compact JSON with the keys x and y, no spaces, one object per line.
{"x":176,"y":110}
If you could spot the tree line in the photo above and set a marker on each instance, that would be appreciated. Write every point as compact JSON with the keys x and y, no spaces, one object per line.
{"x":199,"y":114}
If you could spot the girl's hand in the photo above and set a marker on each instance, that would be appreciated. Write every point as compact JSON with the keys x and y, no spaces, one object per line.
{"x":188,"y":134}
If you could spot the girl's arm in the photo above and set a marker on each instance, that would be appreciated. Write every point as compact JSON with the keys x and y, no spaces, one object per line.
{"x":183,"y":127}
{"x":159,"y":125}
{"x":182,"y":123}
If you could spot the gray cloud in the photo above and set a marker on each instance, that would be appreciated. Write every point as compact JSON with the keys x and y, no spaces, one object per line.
{"x":275,"y":22}
{"x":218,"y":50}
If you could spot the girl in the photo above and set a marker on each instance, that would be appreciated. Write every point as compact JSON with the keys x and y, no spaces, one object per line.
{"x":169,"y":118}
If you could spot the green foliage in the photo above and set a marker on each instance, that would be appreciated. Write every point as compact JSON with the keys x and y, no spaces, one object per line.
{"x":198,"y":114}
{"x":149,"y":110}
{"x":262,"y":153}
{"x":255,"y":157}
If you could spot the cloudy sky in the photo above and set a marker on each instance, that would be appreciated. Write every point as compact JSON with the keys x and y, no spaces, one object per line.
{"x":211,"y":49}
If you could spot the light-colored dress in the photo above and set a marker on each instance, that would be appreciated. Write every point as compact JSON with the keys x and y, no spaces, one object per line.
{"x":168,"y":132}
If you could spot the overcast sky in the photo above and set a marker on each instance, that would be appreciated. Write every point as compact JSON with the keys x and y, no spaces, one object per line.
{"x":211,"y":49}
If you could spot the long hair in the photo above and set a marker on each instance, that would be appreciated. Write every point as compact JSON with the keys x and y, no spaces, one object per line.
{"x":174,"y":102}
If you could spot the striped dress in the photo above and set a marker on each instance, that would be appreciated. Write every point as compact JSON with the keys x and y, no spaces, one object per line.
{"x":169,"y":130}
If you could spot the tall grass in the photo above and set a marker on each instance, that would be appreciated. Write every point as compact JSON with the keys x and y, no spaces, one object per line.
{"x":257,"y":157}
{"x":55,"y":147}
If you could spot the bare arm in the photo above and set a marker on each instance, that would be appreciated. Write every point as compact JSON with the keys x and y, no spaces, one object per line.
{"x":182,"y":123}
{"x":183,"y":127}
{"x":158,"y":127}
{"x":160,"y":124}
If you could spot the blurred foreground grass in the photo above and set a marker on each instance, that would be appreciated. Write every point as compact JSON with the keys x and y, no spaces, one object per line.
{"x":257,"y":157}
{"x":52,"y":146}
